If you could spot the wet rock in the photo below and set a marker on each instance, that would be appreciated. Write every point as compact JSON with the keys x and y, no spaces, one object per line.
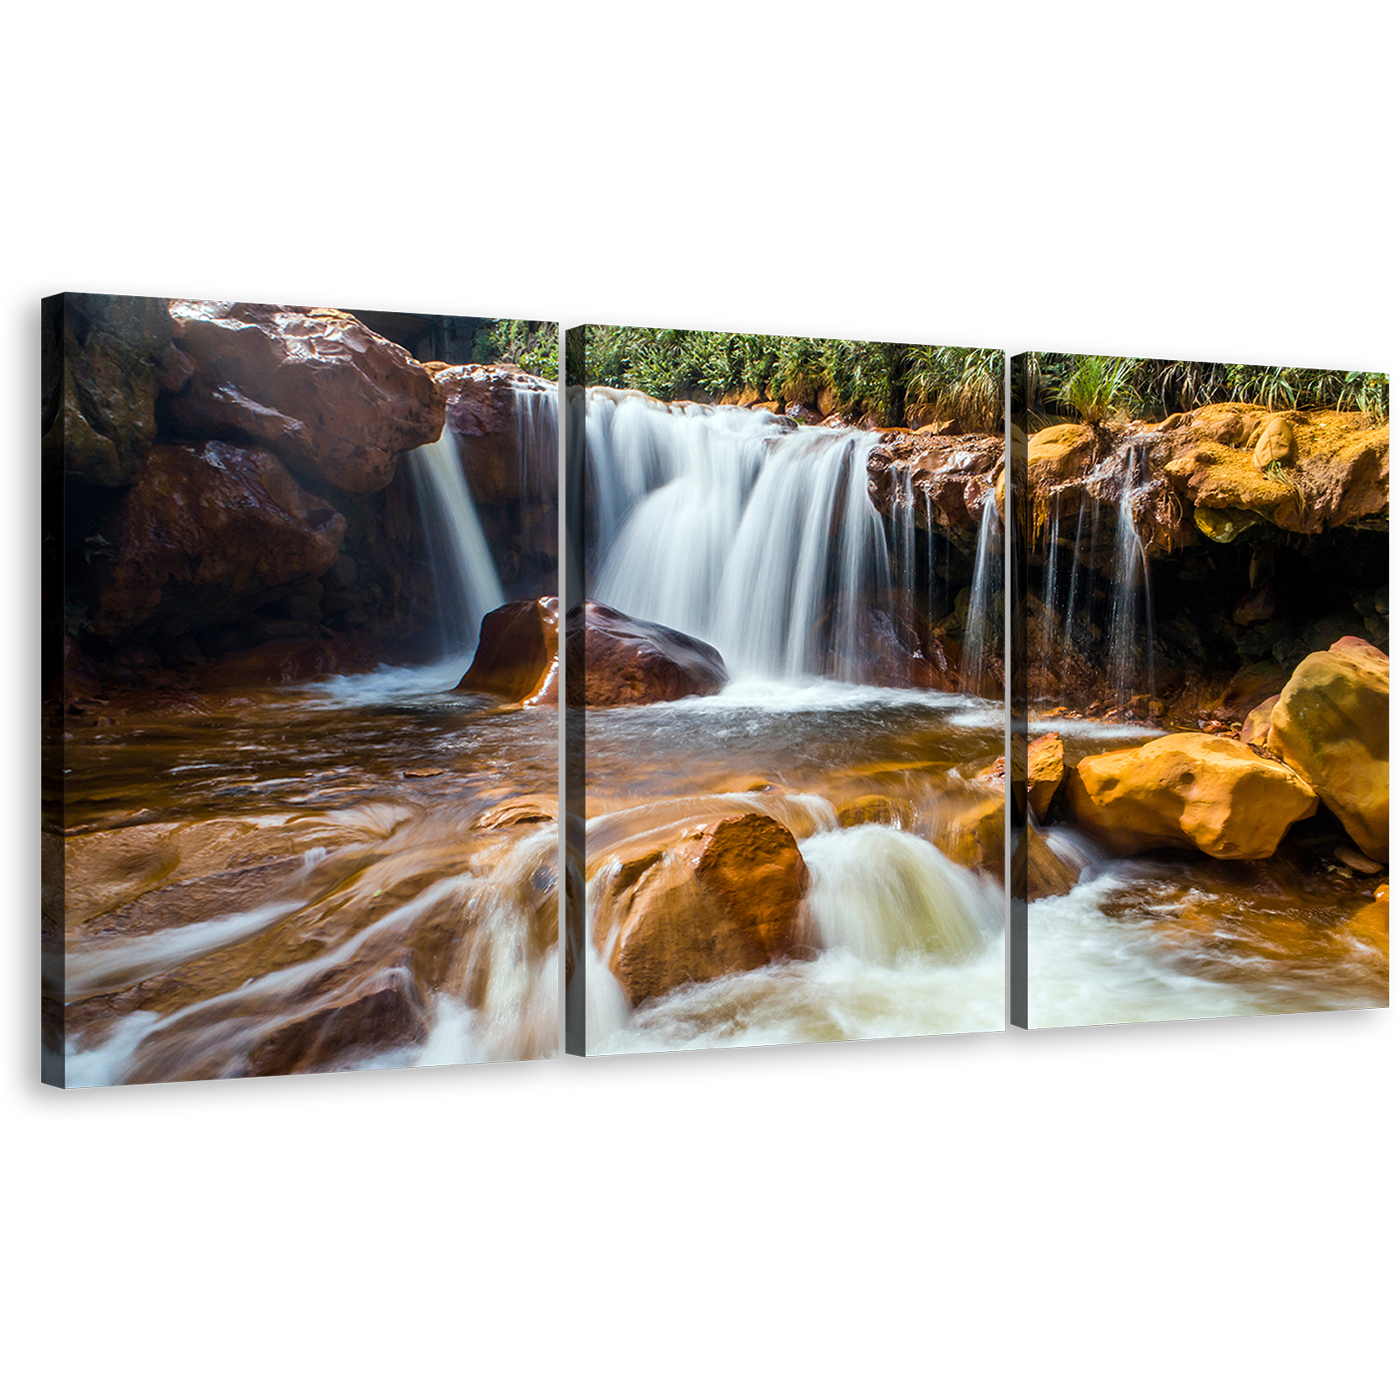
{"x":380,"y":1012}
{"x":1040,"y":870}
{"x":614,"y":659}
{"x":1331,"y":725}
{"x":945,"y":480}
{"x":1354,"y":860}
{"x":202,"y":531}
{"x":722,"y":899}
{"x":970,"y":828}
{"x":1188,"y":790}
{"x":517,"y":656}
{"x":337,"y":402}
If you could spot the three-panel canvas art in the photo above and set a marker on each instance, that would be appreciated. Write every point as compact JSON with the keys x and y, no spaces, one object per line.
{"x":415,"y":693}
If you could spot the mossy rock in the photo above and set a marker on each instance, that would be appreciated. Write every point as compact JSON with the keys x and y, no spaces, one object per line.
{"x":1224,"y":526}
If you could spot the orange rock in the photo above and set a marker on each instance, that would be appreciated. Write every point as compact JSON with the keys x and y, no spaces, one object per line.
{"x":1045,"y":771}
{"x":1255,"y":729}
{"x":723,"y":899}
{"x":517,"y":657}
{"x":1331,"y":725}
{"x":1188,"y":790}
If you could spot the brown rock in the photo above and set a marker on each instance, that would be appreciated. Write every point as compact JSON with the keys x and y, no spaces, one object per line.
{"x":1331,"y":725}
{"x":1045,"y":771}
{"x":100,"y":393}
{"x":380,"y":1012}
{"x":1188,"y":790}
{"x":517,"y":657}
{"x":1040,"y":870}
{"x":204,"y":530}
{"x":614,"y":659}
{"x":336,"y":401}
{"x":724,"y":899}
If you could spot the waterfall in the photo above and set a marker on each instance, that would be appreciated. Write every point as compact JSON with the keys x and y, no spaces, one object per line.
{"x":736,"y":528}
{"x":464,"y":574}
{"x":983,"y":630}
{"x":1130,"y":620}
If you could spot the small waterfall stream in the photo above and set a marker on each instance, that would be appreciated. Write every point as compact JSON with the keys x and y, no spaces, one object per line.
{"x":468,"y":586}
{"x":983,"y":623}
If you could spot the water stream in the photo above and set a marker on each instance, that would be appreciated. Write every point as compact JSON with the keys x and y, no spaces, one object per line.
{"x":762,"y":539}
{"x":355,"y":873}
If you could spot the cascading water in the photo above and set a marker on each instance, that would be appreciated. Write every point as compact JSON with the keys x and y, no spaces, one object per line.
{"x":983,"y":630}
{"x":763,"y":540}
{"x":467,"y":584}
{"x":1130,"y":607}
{"x":729,"y":525}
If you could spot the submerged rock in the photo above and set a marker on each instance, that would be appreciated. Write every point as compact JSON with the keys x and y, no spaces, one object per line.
{"x":517,"y":657}
{"x":722,"y":899}
{"x":1188,"y":790}
{"x":1331,"y":725}
{"x":614,"y":659}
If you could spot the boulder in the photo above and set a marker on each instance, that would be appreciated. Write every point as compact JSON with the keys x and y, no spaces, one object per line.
{"x":722,"y":899}
{"x":202,"y":531}
{"x":1045,"y":771}
{"x":337,"y":402}
{"x":1039,"y":870}
{"x":517,"y":656}
{"x":614,"y":659}
{"x":1188,"y":790}
{"x":1331,"y":726}
{"x":1255,"y":729}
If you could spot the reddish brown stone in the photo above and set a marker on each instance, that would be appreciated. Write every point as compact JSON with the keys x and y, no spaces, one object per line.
{"x":517,"y":657}
{"x":337,"y":402}
{"x":203,"y":530}
{"x":614,"y":659}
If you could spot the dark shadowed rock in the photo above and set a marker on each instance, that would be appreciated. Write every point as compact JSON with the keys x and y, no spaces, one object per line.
{"x":614,"y":659}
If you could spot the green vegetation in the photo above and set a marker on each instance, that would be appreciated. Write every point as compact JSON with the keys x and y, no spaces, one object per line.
{"x":891,"y":383}
{"x":532,"y":345}
{"x":1093,"y":388}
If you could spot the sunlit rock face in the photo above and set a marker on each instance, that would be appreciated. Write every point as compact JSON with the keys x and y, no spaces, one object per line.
{"x":338,"y":403}
{"x":721,"y":898}
{"x":1188,"y":790}
{"x":1331,"y":724}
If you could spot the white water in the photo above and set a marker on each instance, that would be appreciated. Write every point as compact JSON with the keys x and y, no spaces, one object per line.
{"x":1130,"y":607}
{"x":908,"y":944}
{"x":1089,"y":967}
{"x":981,"y":632}
{"x":730,"y":526}
{"x":467,"y":584}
